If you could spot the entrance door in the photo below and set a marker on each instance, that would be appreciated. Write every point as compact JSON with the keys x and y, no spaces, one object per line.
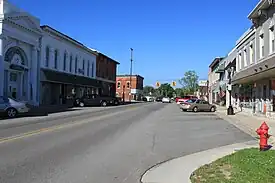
{"x":13,"y":85}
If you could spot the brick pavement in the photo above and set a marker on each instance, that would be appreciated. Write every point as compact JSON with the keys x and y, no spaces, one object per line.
{"x":248,"y":123}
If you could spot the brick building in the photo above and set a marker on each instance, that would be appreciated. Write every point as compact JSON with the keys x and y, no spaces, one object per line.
{"x":123,"y":87}
{"x":106,"y":69}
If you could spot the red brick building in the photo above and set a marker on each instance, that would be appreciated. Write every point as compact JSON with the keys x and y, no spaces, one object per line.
{"x":106,"y":69}
{"x":123,"y":87}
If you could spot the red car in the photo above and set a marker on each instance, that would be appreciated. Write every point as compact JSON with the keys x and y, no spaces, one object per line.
{"x":185,"y":98}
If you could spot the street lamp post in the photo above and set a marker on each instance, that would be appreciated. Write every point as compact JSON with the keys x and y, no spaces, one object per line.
{"x":230,"y":110}
{"x":131,"y":70}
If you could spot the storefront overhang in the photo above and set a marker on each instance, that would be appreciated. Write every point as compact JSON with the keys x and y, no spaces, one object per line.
{"x":263,"y":69}
{"x":64,"y":78}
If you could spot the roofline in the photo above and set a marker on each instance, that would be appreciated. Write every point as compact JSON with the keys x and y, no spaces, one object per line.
{"x":245,"y":36}
{"x":217,"y":59}
{"x":68,"y":38}
{"x":256,"y":8}
{"x":128,"y":75}
{"x":98,"y":52}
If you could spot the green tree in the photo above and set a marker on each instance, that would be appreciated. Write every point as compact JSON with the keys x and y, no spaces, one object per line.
{"x":179,"y":92}
{"x":166,"y":90}
{"x":189,"y":82}
{"x":148,"y":89}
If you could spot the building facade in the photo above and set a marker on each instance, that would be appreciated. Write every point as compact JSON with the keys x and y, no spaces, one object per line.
{"x":124,"y":89}
{"x":43,"y":66}
{"x":202,"y":90}
{"x":67,"y":69}
{"x":106,"y":70}
{"x":20,"y":48}
{"x":255,"y":69}
{"x":213,"y":81}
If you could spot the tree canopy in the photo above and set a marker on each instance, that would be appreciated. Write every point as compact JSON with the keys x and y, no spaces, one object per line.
{"x":189,"y":82}
{"x":166,"y":90}
{"x":149,"y":90}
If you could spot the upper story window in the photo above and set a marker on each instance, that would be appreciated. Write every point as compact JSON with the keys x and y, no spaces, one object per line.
{"x":251,"y":52}
{"x":92,"y":69}
{"x":71,"y":63}
{"x":240,"y":61}
{"x":55,"y":58}
{"x":47,"y":63}
{"x":262,"y":45}
{"x":128,"y":84}
{"x":271,"y":40}
{"x":118,"y":84}
{"x":245,"y":58}
{"x":88,"y":68}
{"x":75,"y":65}
{"x":65,"y":61}
{"x":83,"y":64}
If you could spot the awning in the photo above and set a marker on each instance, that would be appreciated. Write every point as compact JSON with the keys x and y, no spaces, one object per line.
{"x":64,"y":78}
{"x":216,"y":89}
{"x":220,"y":68}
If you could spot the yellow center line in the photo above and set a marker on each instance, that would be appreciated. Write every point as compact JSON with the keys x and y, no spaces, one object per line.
{"x":57,"y":127}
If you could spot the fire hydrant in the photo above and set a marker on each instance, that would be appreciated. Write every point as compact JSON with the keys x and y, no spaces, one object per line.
{"x":264,"y":136}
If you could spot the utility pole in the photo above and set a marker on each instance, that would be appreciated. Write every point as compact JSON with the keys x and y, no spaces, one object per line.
{"x":131,"y":70}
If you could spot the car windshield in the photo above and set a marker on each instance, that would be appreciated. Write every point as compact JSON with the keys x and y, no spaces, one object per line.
{"x":191,"y":101}
{"x":12,"y":100}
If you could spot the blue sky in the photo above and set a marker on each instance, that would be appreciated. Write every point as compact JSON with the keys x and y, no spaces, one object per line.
{"x":168,"y":37}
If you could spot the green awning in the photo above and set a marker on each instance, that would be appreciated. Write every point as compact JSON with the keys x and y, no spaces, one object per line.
{"x":223,"y":85}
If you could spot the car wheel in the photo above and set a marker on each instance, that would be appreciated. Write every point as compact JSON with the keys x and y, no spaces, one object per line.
{"x":103,"y":103}
{"x":12,"y":113}
{"x":212,"y":109}
{"x":195,"y":109}
{"x":81,"y":104}
{"x":116,"y":102}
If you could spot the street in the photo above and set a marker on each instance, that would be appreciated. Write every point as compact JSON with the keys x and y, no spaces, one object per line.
{"x":114,"y":146}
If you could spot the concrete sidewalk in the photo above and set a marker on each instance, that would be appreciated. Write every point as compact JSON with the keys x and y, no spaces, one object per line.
{"x":248,"y":123}
{"x":179,"y":170}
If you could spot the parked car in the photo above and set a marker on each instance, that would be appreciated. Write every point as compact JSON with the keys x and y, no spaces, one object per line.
{"x":96,"y":100}
{"x":196,"y":105}
{"x":166,"y":100}
{"x":184,"y":99}
{"x":11,"y":107}
{"x":159,"y":99}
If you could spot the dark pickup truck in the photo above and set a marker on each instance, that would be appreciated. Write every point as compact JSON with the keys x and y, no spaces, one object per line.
{"x":96,"y":100}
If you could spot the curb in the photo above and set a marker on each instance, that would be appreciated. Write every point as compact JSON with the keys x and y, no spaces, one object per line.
{"x":247,"y":129}
{"x":180,"y":170}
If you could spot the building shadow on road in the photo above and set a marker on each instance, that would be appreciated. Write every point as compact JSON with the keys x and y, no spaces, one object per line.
{"x":45,"y":111}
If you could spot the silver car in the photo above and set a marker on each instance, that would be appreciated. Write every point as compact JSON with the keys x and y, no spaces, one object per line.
{"x":11,"y":107}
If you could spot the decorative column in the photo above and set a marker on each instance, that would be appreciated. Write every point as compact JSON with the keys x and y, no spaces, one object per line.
{"x":34,"y":76}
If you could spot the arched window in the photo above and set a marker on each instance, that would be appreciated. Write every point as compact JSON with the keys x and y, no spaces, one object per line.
{"x":65,"y":61}
{"x":71,"y":63}
{"x":47,"y":61}
{"x":55,"y":58}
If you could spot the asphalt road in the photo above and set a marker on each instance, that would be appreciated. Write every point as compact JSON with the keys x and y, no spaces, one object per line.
{"x":114,"y":147}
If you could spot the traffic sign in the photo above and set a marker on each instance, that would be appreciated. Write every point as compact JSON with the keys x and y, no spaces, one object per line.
{"x":158,"y":84}
{"x":174,"y":83}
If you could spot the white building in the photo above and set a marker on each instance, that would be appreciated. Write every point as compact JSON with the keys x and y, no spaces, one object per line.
{"x":39,"y":64}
